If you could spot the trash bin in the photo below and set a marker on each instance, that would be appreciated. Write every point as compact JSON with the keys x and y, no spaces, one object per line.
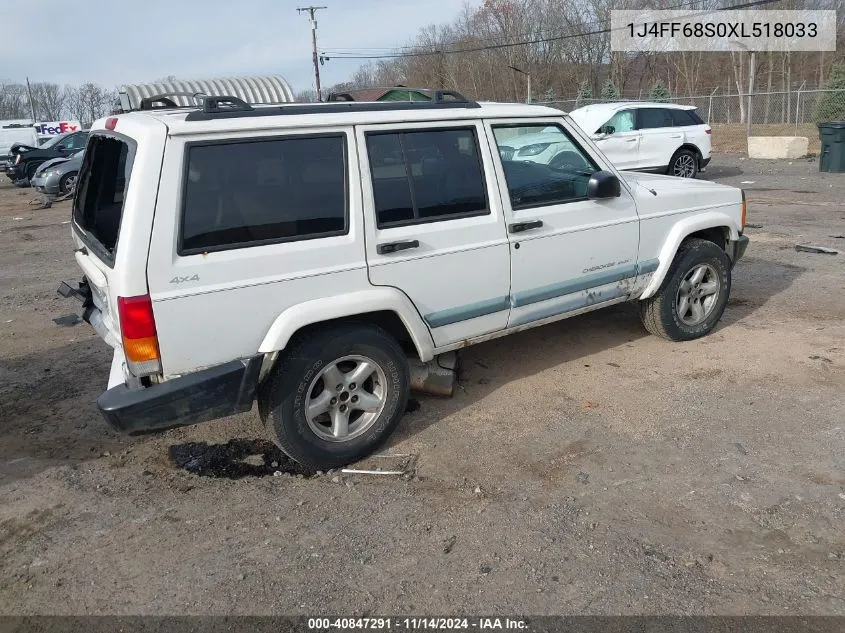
{"x":832,"y":146}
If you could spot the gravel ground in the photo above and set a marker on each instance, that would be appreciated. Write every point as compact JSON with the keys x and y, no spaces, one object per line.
{"x":583,"y":467}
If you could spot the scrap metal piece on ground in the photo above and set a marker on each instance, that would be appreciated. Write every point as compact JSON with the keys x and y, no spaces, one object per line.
{"x":67,"y":320}
{"x":807,"y":248}
{"x":395,"y":464}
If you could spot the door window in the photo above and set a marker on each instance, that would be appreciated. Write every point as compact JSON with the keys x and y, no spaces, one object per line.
{"x":426,"y":176}
{"x":651,"y":118}
{"x":546,"y":165}
{"x":684,"y":118}
{"x":622,"y":121}
{"x":248,"y":193}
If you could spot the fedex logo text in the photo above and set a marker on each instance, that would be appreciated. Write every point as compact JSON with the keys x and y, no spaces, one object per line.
{"x":57,"y":128}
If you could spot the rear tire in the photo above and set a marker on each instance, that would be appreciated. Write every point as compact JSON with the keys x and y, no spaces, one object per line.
{"x":30,"y":171}
{"x":349,"y":378}
{"x":684,"y":164}
{"x":672,"y":313}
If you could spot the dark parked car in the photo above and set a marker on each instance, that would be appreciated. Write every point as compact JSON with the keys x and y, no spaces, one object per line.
{"x":26,"y":160}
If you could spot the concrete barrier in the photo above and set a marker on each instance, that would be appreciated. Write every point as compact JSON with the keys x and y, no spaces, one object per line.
{"x":777,"y":146}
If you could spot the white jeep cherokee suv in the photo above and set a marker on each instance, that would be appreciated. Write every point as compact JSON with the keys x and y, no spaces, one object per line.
{"x":298,"y":255}
{"x":661,"y":137}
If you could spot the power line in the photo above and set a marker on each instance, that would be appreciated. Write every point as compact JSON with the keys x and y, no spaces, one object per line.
{"x":600,"y":31}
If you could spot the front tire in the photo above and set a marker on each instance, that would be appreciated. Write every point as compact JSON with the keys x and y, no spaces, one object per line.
{"x":693,"y":296}
{"x":336,"y":395}
{"x":67,"y":183}
{"x":684,"y":164}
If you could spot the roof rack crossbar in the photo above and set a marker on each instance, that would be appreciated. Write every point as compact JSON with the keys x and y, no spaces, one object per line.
{"x":225,"y":104}
{"x":321,"y":108}
{"x":148,"y":103}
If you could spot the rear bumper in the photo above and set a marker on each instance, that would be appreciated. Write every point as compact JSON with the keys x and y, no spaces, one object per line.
{"x":199,"y":397}
{"x":736,"y":248}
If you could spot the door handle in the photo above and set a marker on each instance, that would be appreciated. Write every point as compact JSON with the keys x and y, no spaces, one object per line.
{"x":674,"y":136}
{"x":631,"y":140}
{"x":392,"y":247}
{"x":519,"y":227}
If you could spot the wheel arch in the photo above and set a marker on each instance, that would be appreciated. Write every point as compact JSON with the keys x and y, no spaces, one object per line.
{"x":385,"y":307}
{"x":713,"y":226}
{"x":689,"y":146}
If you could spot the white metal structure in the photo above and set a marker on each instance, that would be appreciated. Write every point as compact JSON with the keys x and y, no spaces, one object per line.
{"x":261,"y":89}
{"x":661,"y":137}
{"x":298,"y":254}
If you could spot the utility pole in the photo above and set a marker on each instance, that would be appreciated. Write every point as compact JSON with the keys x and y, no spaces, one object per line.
{"x":311,"y":13}
{"x":31,"y":103}
{"x":528,"y":76}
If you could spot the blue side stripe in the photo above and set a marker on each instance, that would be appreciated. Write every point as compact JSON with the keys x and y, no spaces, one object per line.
{"x":569,"y":305}
{"x":535,"y":295}
{"x":574,"y":285}
{"x":648,"y":266}
{"x":463,"y":313}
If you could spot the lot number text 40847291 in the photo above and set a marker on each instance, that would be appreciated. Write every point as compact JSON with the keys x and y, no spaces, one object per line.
{"x":417,"y":624}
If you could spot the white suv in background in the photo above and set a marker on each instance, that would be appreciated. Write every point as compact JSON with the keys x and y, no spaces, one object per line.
{"x":659,"y":137}
{"x":300,"y":255}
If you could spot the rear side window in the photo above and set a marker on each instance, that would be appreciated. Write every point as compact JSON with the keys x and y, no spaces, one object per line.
{"x":683,"y":118}
{"x":695,"y":117}
{"x":426,"y":176}
{"x":103,"y":177}
{"x":249,"y":193}
{"x":649,"y":118}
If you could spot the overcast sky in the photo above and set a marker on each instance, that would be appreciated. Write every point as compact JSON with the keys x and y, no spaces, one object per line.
{"x":115,"y":42}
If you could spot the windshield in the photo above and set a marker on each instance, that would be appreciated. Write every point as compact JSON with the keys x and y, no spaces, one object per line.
{"x":53,"y":141}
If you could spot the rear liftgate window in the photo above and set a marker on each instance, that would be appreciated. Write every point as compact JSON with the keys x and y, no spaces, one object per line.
{"x":249,"y":193}
{"x":102,"y":184}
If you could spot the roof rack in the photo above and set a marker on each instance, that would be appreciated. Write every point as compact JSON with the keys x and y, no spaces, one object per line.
{"x":149,"y":103}
{"x":437,"y":95}
{"x":232,"y":107}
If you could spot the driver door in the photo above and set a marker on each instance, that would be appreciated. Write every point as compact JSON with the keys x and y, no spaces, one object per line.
{"x":622,"y":146}
{"x":569,"y":253}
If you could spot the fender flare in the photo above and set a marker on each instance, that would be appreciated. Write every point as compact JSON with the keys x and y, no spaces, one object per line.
{"x":381,"y":298}
{"x":679,"y":232}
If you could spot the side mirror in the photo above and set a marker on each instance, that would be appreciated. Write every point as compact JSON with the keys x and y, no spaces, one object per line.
{"x":603,"y":184}
{"x":607,"y":130}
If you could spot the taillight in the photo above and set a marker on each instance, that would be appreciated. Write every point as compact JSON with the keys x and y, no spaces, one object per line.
{"x":744,"y":209}
{"x":708,"y":130}
{"x":111,"y":123}
{"x":138,"y":329}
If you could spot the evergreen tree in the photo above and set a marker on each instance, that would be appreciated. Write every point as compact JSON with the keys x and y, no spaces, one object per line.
{"x":610,"y":92}
{"x":585,"y":90}
{"x":831,"y":105}
{"x":659,"y":92}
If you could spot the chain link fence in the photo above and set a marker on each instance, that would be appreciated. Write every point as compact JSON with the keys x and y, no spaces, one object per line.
{"x":782,"y":113}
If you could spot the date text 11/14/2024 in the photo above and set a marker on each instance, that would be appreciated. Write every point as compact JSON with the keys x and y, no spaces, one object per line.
{"x":724,"y":29}
{"x":417,"y":624}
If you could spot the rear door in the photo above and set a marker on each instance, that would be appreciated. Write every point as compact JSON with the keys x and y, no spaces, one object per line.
{"x":433,"y":229}
{"x":658,"y":138}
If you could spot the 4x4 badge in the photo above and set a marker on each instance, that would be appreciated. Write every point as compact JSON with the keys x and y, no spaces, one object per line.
{"x":179,"y":280}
